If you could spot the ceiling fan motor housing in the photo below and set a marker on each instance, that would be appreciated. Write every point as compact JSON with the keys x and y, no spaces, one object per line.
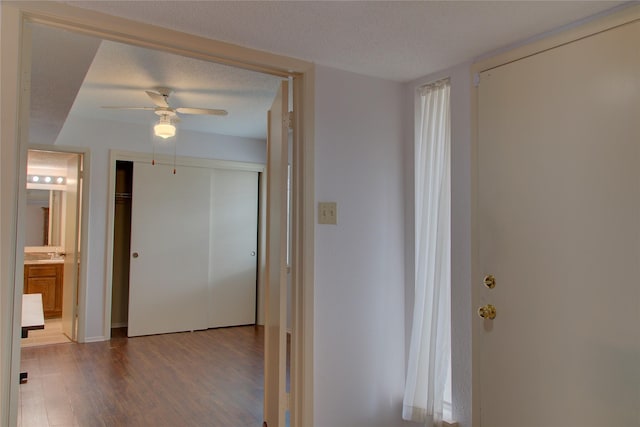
{"x":165,"y":111}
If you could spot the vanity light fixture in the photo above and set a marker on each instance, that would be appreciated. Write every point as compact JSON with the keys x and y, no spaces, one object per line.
{"x":46,"y":179}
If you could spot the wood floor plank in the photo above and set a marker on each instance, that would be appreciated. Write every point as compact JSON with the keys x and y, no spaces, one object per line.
{"x":212,"y":378}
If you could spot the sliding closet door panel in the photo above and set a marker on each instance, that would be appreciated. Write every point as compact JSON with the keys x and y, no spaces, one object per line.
{"x":234,"y":247}
{"x":169,"y":249}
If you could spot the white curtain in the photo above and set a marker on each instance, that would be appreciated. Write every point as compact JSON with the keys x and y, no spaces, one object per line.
{"x":430,"y":348}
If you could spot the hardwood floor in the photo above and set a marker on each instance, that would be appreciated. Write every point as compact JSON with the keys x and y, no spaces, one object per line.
{"x":204,"y":378}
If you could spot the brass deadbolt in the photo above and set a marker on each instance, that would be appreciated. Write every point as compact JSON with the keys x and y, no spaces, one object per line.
{"x":490,"y":281}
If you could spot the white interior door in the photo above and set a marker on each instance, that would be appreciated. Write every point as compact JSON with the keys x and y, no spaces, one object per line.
{"x":275,"y":398}
{"x":234,"y":247}
{"x":169,"y":272}
{"x":559,"y":228}
{"x":71,"y":228}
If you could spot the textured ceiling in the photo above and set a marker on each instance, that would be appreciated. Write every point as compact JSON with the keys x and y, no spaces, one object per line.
{"x":75,"y":76}
{"x":396,"y":40}
{"x":59,"y":62}
{"x":120,"y":74}
{"x":399,"y":40}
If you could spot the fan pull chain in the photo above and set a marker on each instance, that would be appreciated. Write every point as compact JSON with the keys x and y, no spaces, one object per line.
{"x":175,"y":144}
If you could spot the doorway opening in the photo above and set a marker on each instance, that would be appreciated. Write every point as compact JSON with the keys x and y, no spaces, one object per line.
{"x":121,"y":244}
{"x":52,"y":239}
{"x":190,"y":46}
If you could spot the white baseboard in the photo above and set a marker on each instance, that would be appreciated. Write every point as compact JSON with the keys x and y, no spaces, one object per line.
{"x":95,"y":339}
{"x":119,"y":325}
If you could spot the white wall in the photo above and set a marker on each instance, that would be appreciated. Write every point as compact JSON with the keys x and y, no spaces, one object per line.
{"x":359,"y":337}
{"x":101,"y":136}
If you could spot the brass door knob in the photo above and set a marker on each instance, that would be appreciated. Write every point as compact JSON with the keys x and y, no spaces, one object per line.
{"x":487,"y":312}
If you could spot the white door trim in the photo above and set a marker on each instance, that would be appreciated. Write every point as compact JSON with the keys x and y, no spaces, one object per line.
{"x":624,"y":16}
{"x":14,"y":15}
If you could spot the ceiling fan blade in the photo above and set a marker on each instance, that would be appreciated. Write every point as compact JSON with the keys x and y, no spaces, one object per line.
{"x":157,"y":98}
{"x":128,"y":108}
{"x":207,"y":111}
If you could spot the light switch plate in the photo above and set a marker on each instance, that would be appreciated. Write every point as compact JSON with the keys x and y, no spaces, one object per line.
{"x":327,"y":213}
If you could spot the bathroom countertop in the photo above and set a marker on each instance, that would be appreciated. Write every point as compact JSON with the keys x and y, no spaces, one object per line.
{"x":43,"y":261}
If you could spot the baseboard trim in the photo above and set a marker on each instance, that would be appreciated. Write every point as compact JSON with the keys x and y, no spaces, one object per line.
{"x":95,"y":339}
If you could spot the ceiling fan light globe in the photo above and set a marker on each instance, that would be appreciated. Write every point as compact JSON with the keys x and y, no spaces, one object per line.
{"x":164,"y":130}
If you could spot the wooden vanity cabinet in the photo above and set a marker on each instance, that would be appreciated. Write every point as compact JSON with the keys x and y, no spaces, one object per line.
{"x":45,"y":279}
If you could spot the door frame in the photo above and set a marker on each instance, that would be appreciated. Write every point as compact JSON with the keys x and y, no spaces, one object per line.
{"x":13,"y":164}
{"x":625,"y":15}
{"x":83,"y":188}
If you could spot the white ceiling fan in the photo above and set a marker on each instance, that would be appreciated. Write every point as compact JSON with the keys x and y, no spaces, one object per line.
{"x":168,"y":115}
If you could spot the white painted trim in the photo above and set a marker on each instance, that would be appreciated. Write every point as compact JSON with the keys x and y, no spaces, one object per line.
{"x":302,"y":250}
{"x":96,"y":339}
{"x":11,"y":154}
{"x":114,"y":156}
{"x":13,"y":15}
{"x":624,"y":16}
{"x":262,"y":249}
{"x":602,"y":23}
{"x":123,"y":30}
{"x":165,"y":159}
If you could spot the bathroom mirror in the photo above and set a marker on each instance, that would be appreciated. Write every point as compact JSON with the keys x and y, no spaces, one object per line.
{"x":44,"y":218}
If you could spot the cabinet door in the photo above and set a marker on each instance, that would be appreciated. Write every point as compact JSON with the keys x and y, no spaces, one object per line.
{"x":45,"y":280}
{"x":47,"y":287}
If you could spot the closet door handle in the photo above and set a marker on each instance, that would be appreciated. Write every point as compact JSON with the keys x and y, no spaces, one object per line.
{"x":135,"y":255}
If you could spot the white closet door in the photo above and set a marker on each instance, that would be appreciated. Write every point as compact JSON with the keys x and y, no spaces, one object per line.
{"x":169,"y":270}
{"x":234,"y":226}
